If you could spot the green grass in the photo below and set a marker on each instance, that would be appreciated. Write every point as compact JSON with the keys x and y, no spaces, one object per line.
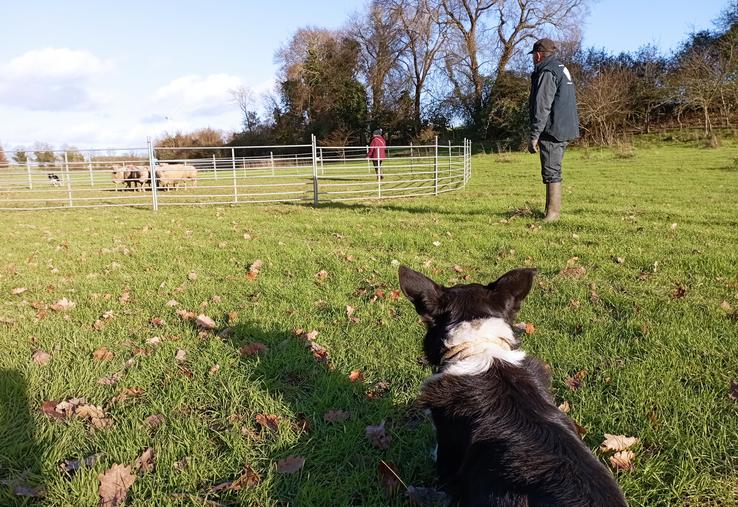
{"x":659,"y":366}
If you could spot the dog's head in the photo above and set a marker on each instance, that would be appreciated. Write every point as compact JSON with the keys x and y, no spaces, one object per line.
{"x":443,"y":308}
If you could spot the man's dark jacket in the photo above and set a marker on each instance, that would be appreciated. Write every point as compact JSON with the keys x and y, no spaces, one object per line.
{"x":553,"y":101}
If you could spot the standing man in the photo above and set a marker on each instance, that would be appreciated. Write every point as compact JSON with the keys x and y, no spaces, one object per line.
{"x":553,"y":119}
{"x":377,"y":151}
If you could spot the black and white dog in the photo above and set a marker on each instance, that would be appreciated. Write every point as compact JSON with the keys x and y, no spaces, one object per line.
{"x":501,"y":439}
{"x":54,"y":179}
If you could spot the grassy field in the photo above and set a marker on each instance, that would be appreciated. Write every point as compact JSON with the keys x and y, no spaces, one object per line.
{"x":645,"y":317}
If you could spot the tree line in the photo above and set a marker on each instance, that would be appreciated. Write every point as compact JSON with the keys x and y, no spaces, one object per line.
{"x":460,"y":68}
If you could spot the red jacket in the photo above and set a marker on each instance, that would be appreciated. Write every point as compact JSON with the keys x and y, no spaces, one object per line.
{"x":377,"y":148}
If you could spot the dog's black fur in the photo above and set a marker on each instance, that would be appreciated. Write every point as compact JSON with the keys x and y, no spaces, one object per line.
{"x":54,"y":179}
{"x":501,"y":439}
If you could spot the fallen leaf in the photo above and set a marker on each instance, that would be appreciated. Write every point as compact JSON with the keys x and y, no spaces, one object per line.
{"x":154,"y":421}
{"x":458,"y":269}
{"x":125,"y":297}
{"x":126,"y":393}
{"x":62,"y":305}
{"x":232,"y":317}
{"x":114,"y":485}
{"x":102,"y":354}
{"x":389,"y":479}
{"x":268,"y":421}
{"x":620,"y":260}
{"x":575,"y":382}
{"x":157,"y":321}
{"x":110,"y":379}
{"x":214,"y":369}
{"x":41,"y":357}
{"x":18,"y":290}
{"x":350,"y":311}
{"x":254,"y":269}
{"x":333,"y":416}
{"x":395,"y":295}
{"x":377,"y":390}
{"x":205,"y":322}
{"x":436,"y":243}
{"x":356,"y":376}
{"x":252,"y":349}
{"x":564,"y":407}
{"x":186,"y":315}
{"x":679,"y":292}
{"x":574,"y":272}
{"x":180,"y":355}
{"x":145,"y":462}
{"x":622,"y":460}
{"x":580,"y":429}
{"x":172,"y":303}
{"x":248,"y":479}
{"x":733,"y":393}
{"x":312,"y":335}
{"x":290,"y":464}
{"x":673,"y":226}
{"x":725,"y":306}
{"x":617,"y":442}
{"x":71,"y":466}
{"x":377,"y":436}
{"x":154,"y":340}
{"x":192,"y":276}
{"x":48,"y":407}
{"x":321,"y":275}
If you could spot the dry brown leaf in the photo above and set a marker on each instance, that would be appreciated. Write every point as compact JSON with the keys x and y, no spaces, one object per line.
{"x":145,"y":462}
{"x":622,"y":460}
{"x":192,"y":276}
{"x":350,"y":311}
{"x":157,"y":321}
{"x":205,"y":322}
{"x":725,"y":306}
{"x":41,"y":357}
{"x":254,"y":269}
{"x":312,"y":335}
{"x":268,"y":421}
{"x":252,"y":349}
{"x":186,"y":314}
{"x":102,"y":354}
{"x":377,"y":436}
{"x":564,"y":407}
{"x":733,"y":392}
{"x":458,"y":269}
{"x":171,"y":303}
{"x":290,"y":464}
{"x":333,"y":416}
{"x":154,"y":340}
{"x":248,"y":479}
{"x":574,"y":272}
{"x":110,"y":379}
{"x":575,"y":382}
{"x":679,"y":292}
{"x":114,"y":485}
{"x":356,"y":376}
{"x":126,"y":393}
{"x":214,"y":369}
{"x":180,"y":355}
{"x":125,"y":297}
{"x":48,"y":407}
{"x":18,"y":290}
{"x":321,"y":275}
{"x":232,"y":317}
{"x":617,"y":442}
{"x":389,"y":479}
{"x":154,"y":421}
{"x":378,"y":390}
{"x":395,"y":295}
{"x":62,"y":305}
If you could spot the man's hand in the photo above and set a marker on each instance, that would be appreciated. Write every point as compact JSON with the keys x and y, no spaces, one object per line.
{"x":533,"y":146}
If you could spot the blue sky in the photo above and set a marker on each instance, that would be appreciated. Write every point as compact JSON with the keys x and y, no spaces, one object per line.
{"x":103,"y":74}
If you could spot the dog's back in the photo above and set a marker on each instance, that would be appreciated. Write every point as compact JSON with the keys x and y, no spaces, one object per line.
{"x":501,"y":439}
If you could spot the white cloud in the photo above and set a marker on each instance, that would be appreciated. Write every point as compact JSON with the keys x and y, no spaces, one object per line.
{"x":197,"y":95}
{"x":51,"y":79}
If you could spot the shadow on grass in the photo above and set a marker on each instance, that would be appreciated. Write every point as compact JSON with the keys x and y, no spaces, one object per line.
{"x":341,"y":464}
{"x":424,"y":209}
{"x":19,"y":453}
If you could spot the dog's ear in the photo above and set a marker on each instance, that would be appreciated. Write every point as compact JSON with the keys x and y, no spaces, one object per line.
{"x":423,"y":292}
{"x":512,"y":287}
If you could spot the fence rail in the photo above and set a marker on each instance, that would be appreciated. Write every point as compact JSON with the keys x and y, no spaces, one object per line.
{"x":306,"y":173}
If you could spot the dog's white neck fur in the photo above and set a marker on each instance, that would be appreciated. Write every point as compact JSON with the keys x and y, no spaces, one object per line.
{"x":481,"y":340}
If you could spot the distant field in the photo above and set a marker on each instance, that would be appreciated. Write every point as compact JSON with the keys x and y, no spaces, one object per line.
{"x":645,"y":318}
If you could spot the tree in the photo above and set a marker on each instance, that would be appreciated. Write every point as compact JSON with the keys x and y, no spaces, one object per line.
{"x":3,"y":158}
{"x":424,"y":36}
{"x":206,"y":139}
{"x":20,"y":156}
{"x":244,"y":98}
{"x":44,"y":154}
{"x":320,"y":92}
{"x":379,"y":35}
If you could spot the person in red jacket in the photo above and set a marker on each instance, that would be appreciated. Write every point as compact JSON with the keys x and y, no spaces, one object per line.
{"x":377,"y":151}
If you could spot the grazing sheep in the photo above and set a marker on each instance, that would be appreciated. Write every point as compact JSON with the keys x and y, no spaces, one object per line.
{"x":171,"y":175}
{"x":121,"y":176}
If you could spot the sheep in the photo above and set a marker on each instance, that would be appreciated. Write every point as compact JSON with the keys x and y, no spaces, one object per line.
{"x":171,"y":175}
